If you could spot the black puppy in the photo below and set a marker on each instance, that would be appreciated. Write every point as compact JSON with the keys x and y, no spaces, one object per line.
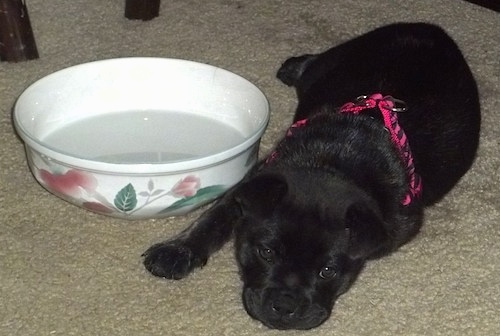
{"x":349,"y":181}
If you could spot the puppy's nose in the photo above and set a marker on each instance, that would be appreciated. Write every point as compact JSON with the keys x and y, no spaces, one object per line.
{"x":284,"y":305}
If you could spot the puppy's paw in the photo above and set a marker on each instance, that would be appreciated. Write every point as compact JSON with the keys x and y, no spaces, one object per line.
{"x":292,"y":69}
{"x":171,"y":260}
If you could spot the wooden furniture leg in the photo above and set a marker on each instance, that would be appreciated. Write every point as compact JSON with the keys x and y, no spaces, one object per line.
{"x":17,"y":42}
{"x":142,"y":9}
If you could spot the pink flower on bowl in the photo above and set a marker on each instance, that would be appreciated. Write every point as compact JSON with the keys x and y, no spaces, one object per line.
{"x":186,"y":187}
{"x":70,"y":183}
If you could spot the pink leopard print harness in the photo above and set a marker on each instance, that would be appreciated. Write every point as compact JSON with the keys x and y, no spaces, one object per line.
{"x":389,"y":108}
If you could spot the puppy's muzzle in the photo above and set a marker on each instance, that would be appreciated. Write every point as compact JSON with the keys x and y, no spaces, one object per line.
{"x":283,"y":309}
{"x":284,"y":305}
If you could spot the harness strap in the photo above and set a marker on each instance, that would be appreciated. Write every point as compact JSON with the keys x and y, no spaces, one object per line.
{"x":388,"y":108}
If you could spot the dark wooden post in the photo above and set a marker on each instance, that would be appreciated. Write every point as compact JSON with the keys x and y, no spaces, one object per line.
{"x":17,"y":42}
{"x":142,"y":9}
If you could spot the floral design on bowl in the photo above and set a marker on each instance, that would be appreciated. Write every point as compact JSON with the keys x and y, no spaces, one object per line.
{"x":82,"y":188}
{"x":127,"y":201}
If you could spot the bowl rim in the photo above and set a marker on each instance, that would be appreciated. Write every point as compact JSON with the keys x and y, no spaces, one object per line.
{"x":139,"y":168}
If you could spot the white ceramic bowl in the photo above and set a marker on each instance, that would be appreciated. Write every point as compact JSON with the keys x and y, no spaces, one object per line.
{"x":141,"y":137}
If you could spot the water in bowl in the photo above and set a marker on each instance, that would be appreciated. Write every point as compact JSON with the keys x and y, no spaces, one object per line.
{"x":144,"y":137}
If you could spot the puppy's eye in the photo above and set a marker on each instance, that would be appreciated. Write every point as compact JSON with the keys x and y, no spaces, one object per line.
{"x":328,"y":272}
{"x":267,"y":254}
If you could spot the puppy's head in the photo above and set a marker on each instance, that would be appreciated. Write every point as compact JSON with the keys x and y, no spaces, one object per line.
{"x":297,"y":254}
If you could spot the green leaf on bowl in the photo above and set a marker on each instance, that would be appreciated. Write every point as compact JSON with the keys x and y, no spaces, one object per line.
{"x":126,"y":199}
{"x":202,"y":195}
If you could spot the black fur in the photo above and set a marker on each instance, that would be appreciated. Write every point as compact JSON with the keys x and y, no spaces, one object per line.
{"x":306,"y":222}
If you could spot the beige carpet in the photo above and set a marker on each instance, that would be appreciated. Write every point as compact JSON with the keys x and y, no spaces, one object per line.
{"x":65,"y":271}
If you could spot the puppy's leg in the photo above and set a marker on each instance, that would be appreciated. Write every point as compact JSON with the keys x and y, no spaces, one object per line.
{"x":292,"y":69}
{"x":177,"y":257}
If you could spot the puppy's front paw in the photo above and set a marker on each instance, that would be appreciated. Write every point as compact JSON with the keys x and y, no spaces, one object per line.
{"x":171,"y":260}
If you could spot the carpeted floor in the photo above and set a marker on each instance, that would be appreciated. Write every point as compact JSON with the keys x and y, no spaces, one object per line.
{"x":66,"y":271}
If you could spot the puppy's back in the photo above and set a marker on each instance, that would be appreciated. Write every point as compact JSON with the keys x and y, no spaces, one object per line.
{"x":417,"y":63}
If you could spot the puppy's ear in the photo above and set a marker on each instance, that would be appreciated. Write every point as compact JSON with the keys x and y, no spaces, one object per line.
{"x":367,"y":234}
{"x":261,"y":194}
